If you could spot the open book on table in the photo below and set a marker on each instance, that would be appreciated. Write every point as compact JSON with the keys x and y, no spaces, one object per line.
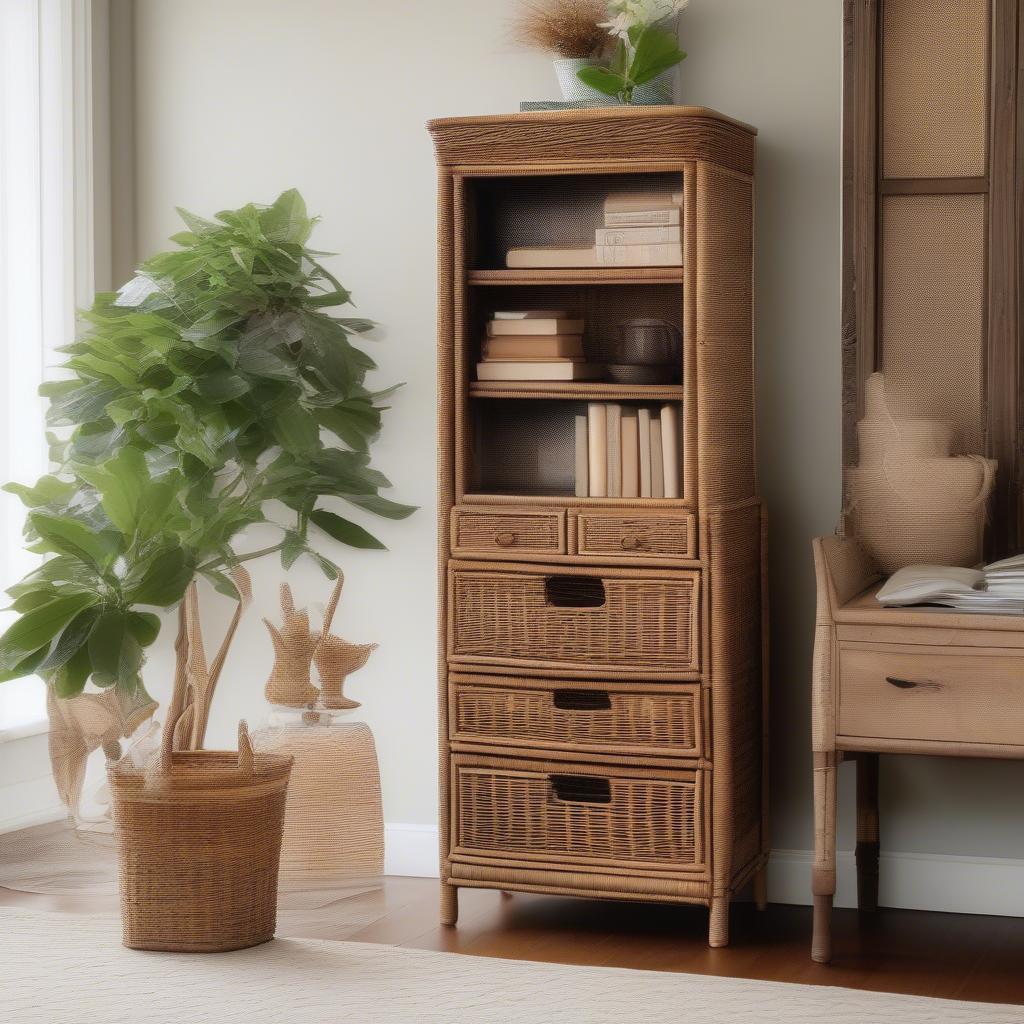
{"x":996,"y":589}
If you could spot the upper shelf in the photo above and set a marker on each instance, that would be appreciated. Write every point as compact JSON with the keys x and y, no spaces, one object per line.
{"x":580,"y":391}
{"x":579,"y":275}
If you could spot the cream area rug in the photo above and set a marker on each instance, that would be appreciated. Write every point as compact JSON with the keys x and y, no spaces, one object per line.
{"x":71,"y":969}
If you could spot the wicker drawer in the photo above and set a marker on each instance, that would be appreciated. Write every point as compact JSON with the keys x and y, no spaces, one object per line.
{"x":626,"y":622}
{"x":497,"y":532}
{"x":946,"y":694}
{"x":636,"y":536}
{"x":570,"y":814}
{"x":578,"y":717}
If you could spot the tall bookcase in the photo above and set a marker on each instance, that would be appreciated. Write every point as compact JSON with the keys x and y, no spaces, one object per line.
{"x":602,"y":684}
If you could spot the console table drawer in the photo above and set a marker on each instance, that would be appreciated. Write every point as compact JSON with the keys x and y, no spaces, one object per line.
{"x":578,"y":717}
{"x":619,"y":622}
{"x":495,"y":532}
{"x":638,"y":536}
{"x":944,"y":694}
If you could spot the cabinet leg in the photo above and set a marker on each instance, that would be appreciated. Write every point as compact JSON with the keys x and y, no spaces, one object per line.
{"x":449,"y":904}
{"x":867,"y":832}
{"x":761,"y":887}
{"x":718,"y":924}
{"x":823,"y":877}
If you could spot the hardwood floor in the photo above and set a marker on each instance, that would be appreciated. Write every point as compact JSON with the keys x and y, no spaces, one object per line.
{"x":944,"y":955}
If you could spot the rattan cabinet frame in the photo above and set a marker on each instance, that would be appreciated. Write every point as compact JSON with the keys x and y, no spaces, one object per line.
{"x":691,"y":569}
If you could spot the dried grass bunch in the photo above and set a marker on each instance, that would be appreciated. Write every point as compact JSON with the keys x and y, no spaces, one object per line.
{"x":566,"y":28}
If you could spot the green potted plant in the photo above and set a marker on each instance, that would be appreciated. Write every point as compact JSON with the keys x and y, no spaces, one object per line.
{"x":219,"y":380}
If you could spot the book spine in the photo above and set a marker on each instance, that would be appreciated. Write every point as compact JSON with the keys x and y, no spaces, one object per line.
{"x":639,"y":236}
{"x":669,"y":254}
{"x":644,"y":444}
{"x":657,"y":464}
{"x":670,"y":450}
{"x":627,"y":202}
{"x":597,"y":449}
{"x":630,"y":454}
{"x":643,"y":218}
{"x":614,"y":421}
{"x":533,"y":328}
{"x":582,"y":458}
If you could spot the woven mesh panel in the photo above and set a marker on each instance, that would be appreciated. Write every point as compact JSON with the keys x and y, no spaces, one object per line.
{"x":933,"y":301}
{"x":560,"y":210}
{"x":934,"y":78}
{"x":613,"y":720}
{"x":641,"y":623}
{"x":643,"y":535}
{"x":510,"y":812}
{"x":483,"y":531}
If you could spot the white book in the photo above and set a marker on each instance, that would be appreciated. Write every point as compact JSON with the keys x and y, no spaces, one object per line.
{"x":582,"y":458}
{"x":552,"y":369}
{"x":531,"y":314}
{"x":630,"y":454}
{"x":639,"y":236}
{"x":657,"y":465}
{"x":643,"y":218}
{"x":629,"y":202}
{"x":551,"y":256}
{"x":614,"y":420}
{"x":597,"y":449}
{"x":670,"y":450}
{"x":644,"y":443}
{"x":662,"y":254}
{"x":534,"y":326}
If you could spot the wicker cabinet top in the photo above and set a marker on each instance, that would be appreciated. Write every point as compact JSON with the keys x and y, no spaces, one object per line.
{"x":595,"y":135}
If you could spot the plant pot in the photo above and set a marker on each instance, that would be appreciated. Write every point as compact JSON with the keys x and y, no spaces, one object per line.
{"x":658,"y":91}
{"x":572,"y":88}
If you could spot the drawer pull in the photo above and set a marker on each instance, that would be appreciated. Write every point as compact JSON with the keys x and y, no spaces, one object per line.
{"x":581,"y":789}
{"x":633,"y":542}
{"x":505,"y":539}
{"x":574,"y":591}
{"x":582,"y":700}
{"x":909,"y":684}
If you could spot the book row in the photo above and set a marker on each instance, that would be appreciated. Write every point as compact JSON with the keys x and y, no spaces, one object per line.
{"x":627,"y":451}
{"x":535,"y":344}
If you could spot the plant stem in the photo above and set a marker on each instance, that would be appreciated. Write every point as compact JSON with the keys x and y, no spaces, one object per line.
{"x":241,"y":558}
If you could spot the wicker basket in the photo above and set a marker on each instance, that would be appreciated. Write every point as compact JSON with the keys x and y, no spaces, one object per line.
{"x":199,"y":841}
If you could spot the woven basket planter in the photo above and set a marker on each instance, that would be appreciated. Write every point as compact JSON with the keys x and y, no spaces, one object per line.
{"x":199,"y":841}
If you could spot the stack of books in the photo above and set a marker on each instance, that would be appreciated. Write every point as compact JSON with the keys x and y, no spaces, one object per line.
{"x":627,"y":452}
{"x":641,"y":229}
{"x":995,"y":589}
{"x":534,"y":344}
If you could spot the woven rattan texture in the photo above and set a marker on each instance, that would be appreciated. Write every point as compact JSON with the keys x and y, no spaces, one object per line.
{"x":198,"y":851}
{"x":933,"y":84}
{"x":490,"y":531}
{"x":646,"y":623}
{"x":933,"y":310}
{"x":601,"y":719}
{"x":640,"y":535}
{"x":553,"y":814}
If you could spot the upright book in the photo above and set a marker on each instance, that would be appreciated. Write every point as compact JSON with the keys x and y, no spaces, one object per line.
{"x":670,"y":450}
{"x":597,"y":449}
{"x":614,"y":420}
{"x":630,"y":454}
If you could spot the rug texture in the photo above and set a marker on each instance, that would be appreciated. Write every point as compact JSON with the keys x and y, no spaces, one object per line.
{"x":64,"y":968}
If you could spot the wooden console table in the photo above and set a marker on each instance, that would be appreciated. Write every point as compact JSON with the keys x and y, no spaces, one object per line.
{"x":897,"y":681}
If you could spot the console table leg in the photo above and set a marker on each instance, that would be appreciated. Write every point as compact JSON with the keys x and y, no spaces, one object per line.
{"x":449,"y":904}
{"x":718,"y":925}
{"x":761,"y":887}
{"x":823,"y":878}
{"x":867,"y":832}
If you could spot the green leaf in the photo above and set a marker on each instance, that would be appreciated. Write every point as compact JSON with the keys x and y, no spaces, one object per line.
{"x":291,"y":547}
{"x":105,"y":641}
{"x":27,"y":667}
{"x":121,"y":482}
{"x":163,"y":580}
{"x":655,"y":51}
{"x":381,"y":506}
{"x":296,"y":430}
{"x":67,"y":645}
{"x":222,"y":583}
{"x":48,"y":490}
{"x":222,"y":386}
{"x":286,"y":220}
{"x":342,"y":529}
{"x":602,"y":79}
{"x":68,"y":536}
{"x":144,"y":626}
{"x":70,"y":679}
{"x":327,"y":567}
{"x":35,"y":629}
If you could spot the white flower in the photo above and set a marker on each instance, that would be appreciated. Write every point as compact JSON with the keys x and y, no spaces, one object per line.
{"x":625,"y":14}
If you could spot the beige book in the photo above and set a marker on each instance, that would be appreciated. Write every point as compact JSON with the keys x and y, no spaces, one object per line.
{"x":597,"y":449}
{"x":630,"y":202}
{"x":532,"y":314}
{"x":540,"y":346}
{"x":529,"y":328}
{"x":614,"y":420}
{"x":644,"y":218}
{"x":551,"y":256}
{"x":657,"y":465}
{"x":670,"y":450}
{"x":651,"y":235}
{"x":582,"y":458}
{"x":630,"y":454}
{"x":554,"y":369}
{"x":643,"y":418}
{"x":665,"y":254}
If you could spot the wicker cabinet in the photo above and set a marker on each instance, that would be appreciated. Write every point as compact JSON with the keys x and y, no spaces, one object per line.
{"x":602,"y":684}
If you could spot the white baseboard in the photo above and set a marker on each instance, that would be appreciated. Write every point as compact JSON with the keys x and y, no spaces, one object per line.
{"x":37,"y":794}
{"x":411,"y":850}
{"x":910,"y":881}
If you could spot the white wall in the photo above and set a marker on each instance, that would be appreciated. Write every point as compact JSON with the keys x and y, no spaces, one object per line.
{"x":239,"y":99}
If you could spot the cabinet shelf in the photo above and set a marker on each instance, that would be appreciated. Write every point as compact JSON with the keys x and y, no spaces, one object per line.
{"x":577,"y":276}
{"x":577,"y":391}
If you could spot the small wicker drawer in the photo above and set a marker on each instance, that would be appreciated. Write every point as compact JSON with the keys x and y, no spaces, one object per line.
{"x":499,"y":532}
{"x":570,"y":814}
{"x":620,"y":622}
{"x":577,"y":717}
{"x":636,"y":536}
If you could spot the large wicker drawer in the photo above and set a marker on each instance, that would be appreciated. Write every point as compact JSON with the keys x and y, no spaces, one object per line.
{"x":625,"y":622}
{"x":570,"y":814}
{"x":512,"y":532}
{"x":946,"y":694}
{"x":625,"y":719}
{"x":672,"y":535}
